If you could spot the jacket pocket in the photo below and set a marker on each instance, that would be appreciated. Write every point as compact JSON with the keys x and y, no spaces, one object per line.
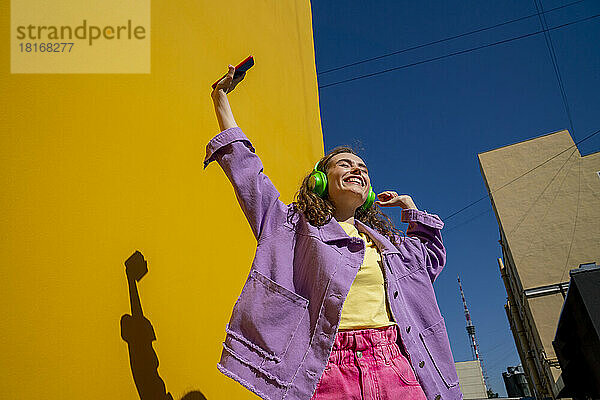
{"x":435,"y":340}
{"x":266,"y":315}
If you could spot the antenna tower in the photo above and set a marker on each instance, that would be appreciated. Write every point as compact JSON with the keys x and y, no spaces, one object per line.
{"x":471,"y":334}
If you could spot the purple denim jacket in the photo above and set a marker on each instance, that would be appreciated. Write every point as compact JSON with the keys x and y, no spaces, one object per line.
{"x":284,"y":323}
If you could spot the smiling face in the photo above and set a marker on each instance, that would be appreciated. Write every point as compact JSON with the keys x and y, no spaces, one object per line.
{"x":347,"y":180}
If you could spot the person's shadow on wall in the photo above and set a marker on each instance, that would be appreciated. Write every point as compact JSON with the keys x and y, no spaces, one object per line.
{"x":139,"y":334}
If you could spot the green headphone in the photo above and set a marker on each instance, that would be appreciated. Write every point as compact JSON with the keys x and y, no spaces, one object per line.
{"x":318,"y":183}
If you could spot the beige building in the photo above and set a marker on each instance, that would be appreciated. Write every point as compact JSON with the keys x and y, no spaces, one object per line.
{"x":546,"y":197}
{"x":470,"y":379}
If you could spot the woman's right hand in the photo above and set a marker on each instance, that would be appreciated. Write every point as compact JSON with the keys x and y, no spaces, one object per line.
{"x":389,"y":198}
{"x":227,"y":84}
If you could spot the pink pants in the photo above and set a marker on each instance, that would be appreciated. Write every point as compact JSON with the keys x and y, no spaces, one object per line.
{"x":367,"y":364}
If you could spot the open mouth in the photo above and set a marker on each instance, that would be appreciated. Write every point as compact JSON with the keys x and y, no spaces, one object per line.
{"x":354,"y":179}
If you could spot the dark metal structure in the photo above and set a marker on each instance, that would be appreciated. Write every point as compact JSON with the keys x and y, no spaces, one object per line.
{"x":577,"y":339}
{"x":516,"y":382}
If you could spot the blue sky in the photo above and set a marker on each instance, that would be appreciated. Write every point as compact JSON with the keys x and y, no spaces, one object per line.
{"x":421,"y":127}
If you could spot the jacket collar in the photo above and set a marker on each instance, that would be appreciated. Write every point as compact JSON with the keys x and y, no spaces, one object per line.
{"x":333,"y":231}
{"x":383,"y":243}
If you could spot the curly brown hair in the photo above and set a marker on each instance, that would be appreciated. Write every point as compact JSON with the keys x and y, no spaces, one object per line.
{"x":319,"y":210}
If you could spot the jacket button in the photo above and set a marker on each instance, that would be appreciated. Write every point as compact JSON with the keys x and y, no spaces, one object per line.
{"x":438,"y":397}
{"x":421,"y":364}
{"x":395,"y":294}
{"x":408,"y":329}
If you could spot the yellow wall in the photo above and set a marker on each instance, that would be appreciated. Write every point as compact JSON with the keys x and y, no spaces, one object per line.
{"x":96,"y":166}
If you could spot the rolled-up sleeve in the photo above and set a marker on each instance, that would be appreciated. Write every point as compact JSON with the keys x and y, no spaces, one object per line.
{"x":427,"y":228}
{"x":256,"y":194}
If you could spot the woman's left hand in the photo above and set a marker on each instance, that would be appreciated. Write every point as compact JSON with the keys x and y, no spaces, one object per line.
{"x":392,"y":199}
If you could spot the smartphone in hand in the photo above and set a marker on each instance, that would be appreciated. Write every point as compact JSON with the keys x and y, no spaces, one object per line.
{"x":239,"y":69}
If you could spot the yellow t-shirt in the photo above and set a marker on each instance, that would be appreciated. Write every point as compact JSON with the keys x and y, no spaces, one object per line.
{"x":366,"y":305}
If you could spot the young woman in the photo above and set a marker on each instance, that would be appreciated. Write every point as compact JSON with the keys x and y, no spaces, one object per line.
{"x":337,"y":305}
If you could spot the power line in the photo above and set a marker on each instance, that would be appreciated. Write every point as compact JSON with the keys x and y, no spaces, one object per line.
{"x":574,"y":225}
{"x":553,"y":58}
{"x":508,"y":340}
{"x":548,"y":208}
{"x":456,"y":53}
{"x":467,"y":221}
{"x":520,"y":176}
{"x":526,"y":213}
{"x":445,"y":39}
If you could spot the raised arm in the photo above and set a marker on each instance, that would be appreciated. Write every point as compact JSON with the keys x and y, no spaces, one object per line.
{"x":256,"y":194}
{"x":426,"y":227}
{"x":220,"y":101}
{"x":234,"y":152}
